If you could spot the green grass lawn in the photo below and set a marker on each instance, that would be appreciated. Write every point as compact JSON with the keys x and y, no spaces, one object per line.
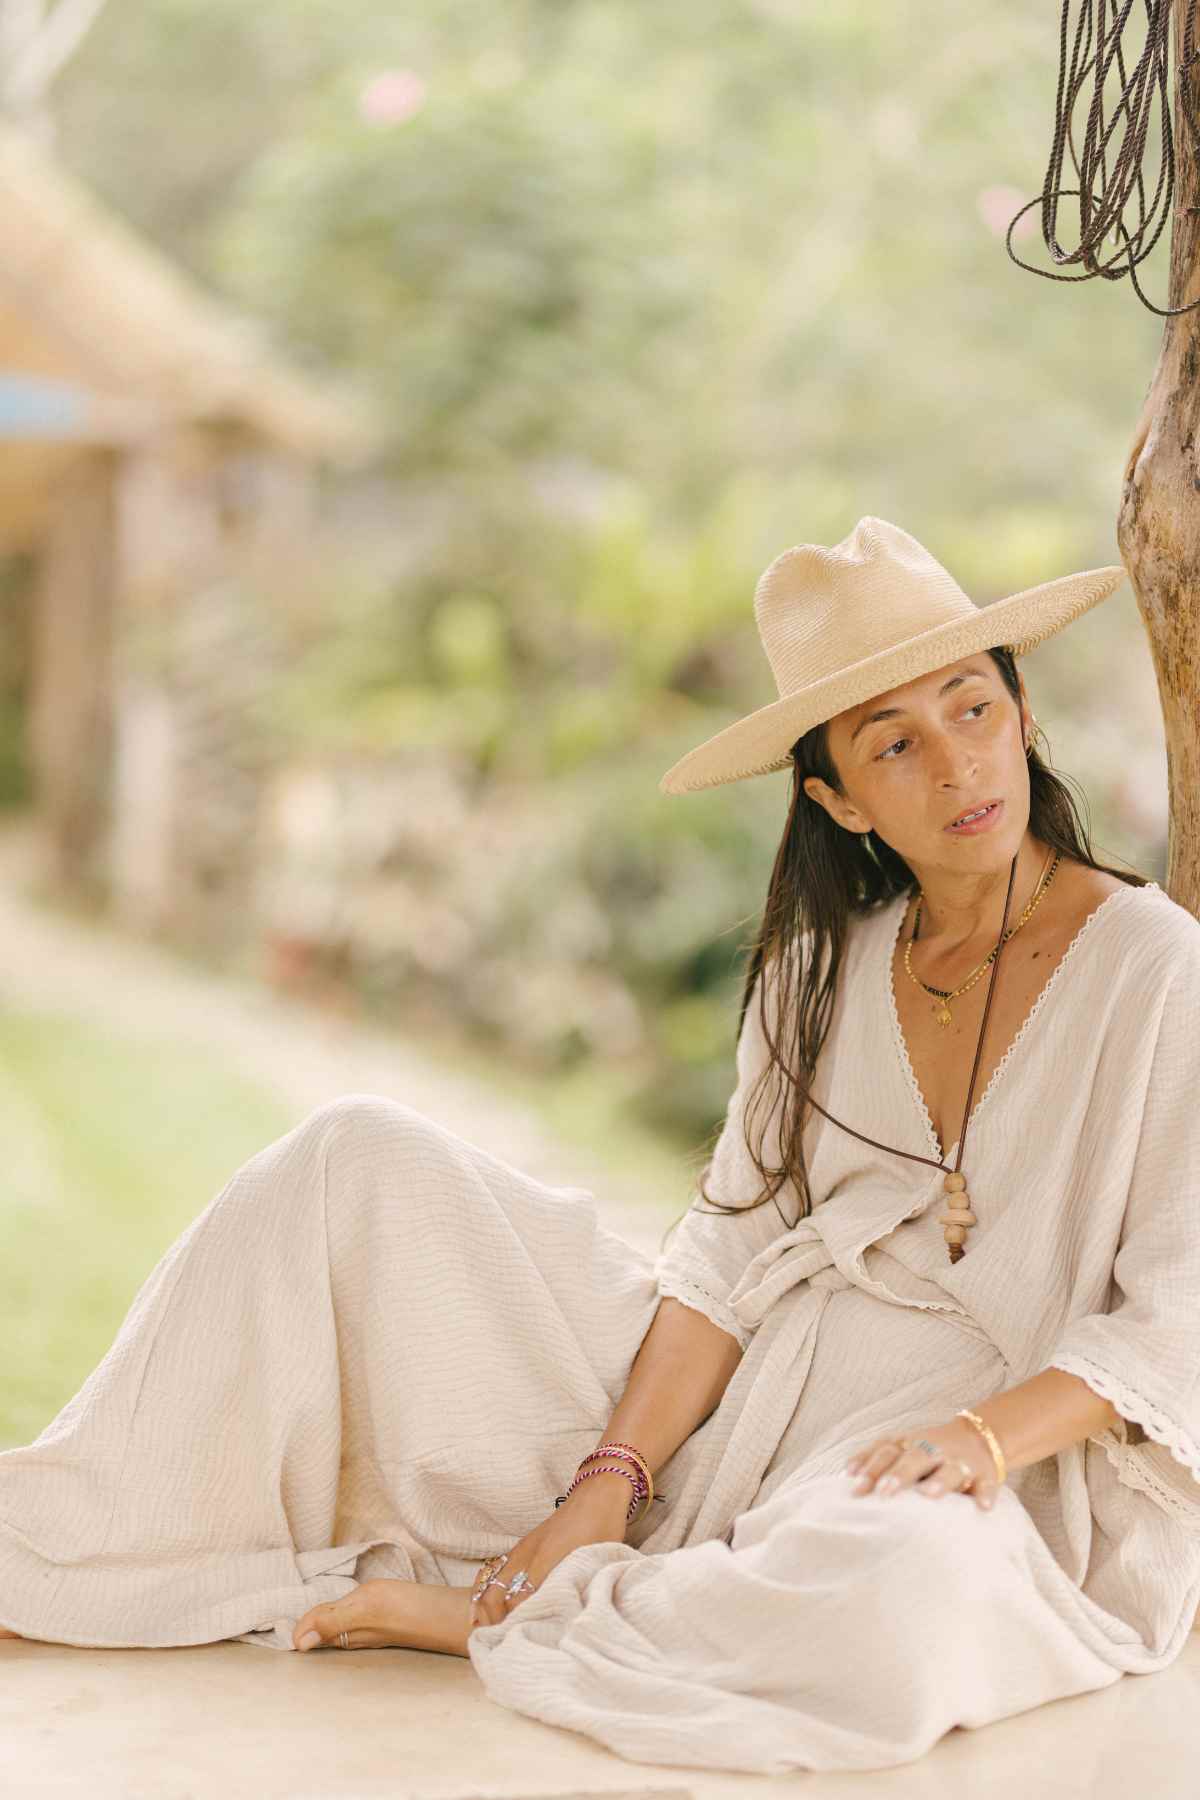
{"x":113,"y":1144}
{"x":110,"y":1147}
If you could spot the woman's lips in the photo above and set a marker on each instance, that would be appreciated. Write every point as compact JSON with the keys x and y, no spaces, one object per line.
{"x":977,"y":825}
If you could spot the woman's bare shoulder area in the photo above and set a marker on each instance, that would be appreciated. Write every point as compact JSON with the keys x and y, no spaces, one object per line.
{"x":1083,"y":890}
{"x":1167,"y":931}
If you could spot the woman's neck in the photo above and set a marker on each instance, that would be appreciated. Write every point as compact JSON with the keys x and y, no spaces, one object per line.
{"x":959,"y":911}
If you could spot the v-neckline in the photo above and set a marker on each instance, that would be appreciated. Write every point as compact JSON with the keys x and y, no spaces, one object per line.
{"x":890,"y":940}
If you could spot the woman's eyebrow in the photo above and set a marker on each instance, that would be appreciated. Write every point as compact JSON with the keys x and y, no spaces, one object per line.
{"x":897,"y":712}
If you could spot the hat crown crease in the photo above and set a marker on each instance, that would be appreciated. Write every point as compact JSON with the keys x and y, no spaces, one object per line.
{"x":819,"y":610}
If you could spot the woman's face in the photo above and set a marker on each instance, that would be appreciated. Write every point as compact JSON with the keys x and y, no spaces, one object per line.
{"x":950,"y":741}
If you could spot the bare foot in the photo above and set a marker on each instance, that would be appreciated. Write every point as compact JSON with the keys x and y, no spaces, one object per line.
{"x":413,"y":1614}
{"x":11,"y":1634}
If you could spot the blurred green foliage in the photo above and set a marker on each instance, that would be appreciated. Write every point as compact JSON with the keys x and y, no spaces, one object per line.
{"x":648,"y":294}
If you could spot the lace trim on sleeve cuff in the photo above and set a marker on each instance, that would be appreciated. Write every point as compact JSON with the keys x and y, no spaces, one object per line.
{"x":1134,"y":1470}
{"x":692,"y":1293}
{"x":1132,"y":1405}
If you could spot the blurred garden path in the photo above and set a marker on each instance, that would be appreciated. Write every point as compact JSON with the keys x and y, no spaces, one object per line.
{"x":53,"y":962}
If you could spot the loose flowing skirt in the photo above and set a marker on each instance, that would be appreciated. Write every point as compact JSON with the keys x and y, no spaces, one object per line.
{"x":381,"y":1351}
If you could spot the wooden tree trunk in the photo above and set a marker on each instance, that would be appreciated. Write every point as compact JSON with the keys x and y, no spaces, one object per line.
{"x":1158,"y":523}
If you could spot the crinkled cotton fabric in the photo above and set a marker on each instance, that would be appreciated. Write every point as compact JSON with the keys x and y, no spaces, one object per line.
{"x":381,"y":1351}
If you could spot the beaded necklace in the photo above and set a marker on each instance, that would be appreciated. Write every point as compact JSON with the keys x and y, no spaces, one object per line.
{"x":945,"y":995}
{"x":959,"y":1216}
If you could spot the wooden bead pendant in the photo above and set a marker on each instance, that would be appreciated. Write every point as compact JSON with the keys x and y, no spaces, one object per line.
{"x":958,"y":1215}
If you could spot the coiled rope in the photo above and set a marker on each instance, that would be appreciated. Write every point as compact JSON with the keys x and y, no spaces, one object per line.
{"x":1104,"y":195}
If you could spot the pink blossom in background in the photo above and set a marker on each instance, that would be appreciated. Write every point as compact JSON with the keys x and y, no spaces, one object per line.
{"x":999,"y":204}
{"x":392,"y":97}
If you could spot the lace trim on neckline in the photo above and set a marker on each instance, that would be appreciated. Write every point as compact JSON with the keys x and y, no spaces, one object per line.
{"x":891,"y":939}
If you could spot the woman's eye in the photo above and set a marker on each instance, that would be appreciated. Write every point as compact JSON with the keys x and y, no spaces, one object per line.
{"x":886,"y":756}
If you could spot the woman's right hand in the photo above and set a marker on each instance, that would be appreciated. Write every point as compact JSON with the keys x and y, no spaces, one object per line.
{"x":587,"y":1517}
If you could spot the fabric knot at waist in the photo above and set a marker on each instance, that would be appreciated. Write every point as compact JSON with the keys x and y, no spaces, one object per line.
{"x":831,"y":1278}
{"x":827,"y":1249}
{"x":800,"y":1254}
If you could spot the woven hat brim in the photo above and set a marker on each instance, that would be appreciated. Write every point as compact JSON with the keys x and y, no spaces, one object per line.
{"x":762,"y":742}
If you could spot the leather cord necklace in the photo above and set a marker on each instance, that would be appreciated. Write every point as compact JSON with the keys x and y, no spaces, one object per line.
{"x":958,"y":1217}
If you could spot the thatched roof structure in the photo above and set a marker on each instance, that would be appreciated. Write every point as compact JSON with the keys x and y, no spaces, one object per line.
{"x":104,"y":340}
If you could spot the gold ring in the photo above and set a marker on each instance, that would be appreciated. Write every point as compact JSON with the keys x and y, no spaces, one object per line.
{"x":487,"y":1569}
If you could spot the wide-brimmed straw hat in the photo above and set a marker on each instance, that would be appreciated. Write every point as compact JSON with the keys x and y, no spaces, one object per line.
{"x":842,"y":624}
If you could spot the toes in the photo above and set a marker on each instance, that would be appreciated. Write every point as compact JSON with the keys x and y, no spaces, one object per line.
{"x":326,"y":1621}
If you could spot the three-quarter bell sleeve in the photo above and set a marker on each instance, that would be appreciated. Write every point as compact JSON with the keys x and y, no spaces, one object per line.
{"x":1144,"y":1353}
{"x":708,"y":1251}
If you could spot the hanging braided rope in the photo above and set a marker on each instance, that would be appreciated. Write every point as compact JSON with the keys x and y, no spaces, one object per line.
{"x":1104,"y":195}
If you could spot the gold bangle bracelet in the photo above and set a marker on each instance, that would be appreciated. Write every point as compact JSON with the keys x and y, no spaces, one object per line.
{"x":644,"y":1466}
{"x":992,"y":1441}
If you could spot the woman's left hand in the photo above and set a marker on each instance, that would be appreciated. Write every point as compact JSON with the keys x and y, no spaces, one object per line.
{"x":886,"y":1467}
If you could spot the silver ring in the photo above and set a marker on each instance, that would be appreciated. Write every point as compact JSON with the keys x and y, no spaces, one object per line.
{"x":968,"y":1473}
{"x":343,"y":1640}
{"x":519,"y":1584}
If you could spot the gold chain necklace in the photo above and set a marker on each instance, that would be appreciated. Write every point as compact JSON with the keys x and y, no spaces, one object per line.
{"x":941,"y":1010}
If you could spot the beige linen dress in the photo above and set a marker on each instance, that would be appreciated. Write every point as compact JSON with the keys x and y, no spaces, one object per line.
{"x":381,"y":1351}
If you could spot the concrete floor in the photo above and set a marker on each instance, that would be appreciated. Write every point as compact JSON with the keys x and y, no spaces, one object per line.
{"x":234,"y":1720}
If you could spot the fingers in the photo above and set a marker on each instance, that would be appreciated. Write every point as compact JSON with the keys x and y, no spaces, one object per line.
{"x":955,"y":1477}
{"x":888,"y":1467}
{"x":491,"y":1602}
{"x":489,"y":1605}
{"x":496,"y":1605}
{"x":487,"y":1592}
{"x":490,"y":1609}
{"x":871,"y":1466}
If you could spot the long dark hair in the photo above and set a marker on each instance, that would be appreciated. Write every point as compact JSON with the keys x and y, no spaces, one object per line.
{"x":823,"y":877}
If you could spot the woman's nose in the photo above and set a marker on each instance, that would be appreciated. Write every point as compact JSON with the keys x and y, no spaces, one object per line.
{"x":953,"y":763}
